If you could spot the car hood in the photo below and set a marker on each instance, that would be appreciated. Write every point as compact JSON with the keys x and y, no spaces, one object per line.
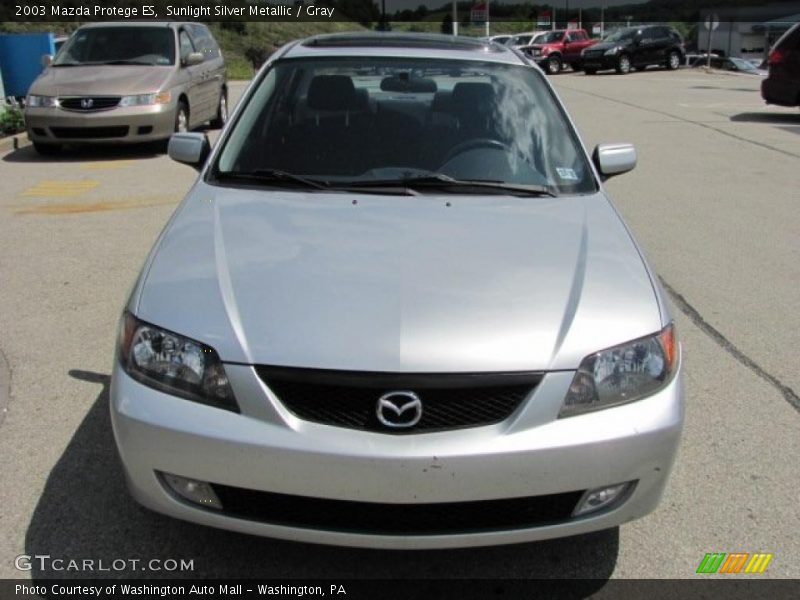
{"x":113,"y":80}
{"x":398,"y":283}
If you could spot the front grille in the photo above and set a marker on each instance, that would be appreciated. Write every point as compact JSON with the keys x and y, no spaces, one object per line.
{"x":89,"y":132}
{"x":97,"y":103}
{"x":350,"y":399}
{"x":396,"y":519}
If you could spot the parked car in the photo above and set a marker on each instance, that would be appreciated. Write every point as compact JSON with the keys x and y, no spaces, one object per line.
{"x":497,"y":39}
{"x":522,"y":39}
{"x":697,"y":59}
{"x":782,"y":85}
{"x":449,"y":340}
{"x":128,"y":82}
{"x":635,"y":47}
{"x":732,"y":64}
{"x":554,"y":49}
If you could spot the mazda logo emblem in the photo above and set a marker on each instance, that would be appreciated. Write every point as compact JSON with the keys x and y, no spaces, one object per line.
{"x":399,"y":410}
{"x":87,"y":103}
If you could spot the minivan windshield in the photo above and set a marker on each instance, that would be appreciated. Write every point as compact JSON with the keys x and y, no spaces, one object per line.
{"x":118,"y":46}
{"x":357,"y":122}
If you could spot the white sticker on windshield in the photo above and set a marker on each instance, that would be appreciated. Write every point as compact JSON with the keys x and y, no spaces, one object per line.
{"x":566,"y":173}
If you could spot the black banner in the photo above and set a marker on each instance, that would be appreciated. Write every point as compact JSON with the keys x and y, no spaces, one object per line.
{"x":737,"y":587}
{"x":374,"y":12}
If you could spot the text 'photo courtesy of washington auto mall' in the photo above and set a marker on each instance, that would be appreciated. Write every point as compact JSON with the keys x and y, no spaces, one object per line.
{"x":400,"y":299}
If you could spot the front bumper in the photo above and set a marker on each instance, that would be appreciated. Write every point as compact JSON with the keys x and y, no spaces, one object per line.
{"x":115,"y":126}
{"x":267,"y":449}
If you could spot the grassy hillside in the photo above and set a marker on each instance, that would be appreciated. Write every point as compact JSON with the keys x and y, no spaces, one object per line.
{"x":238,"y":45}
{"x":239,"y":40}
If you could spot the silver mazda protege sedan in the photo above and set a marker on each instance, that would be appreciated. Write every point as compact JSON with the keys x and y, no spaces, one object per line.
{"x":397,"y":309}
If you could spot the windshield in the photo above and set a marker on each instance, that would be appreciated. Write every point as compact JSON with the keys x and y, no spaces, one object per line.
{"x":118,"y":45}
{"x":519,"y":40}
{"x":621,"y":35}
{"x":356,"y":121}
{"x":549,"y":38}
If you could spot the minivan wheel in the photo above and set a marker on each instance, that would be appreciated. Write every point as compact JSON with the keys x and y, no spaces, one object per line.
{"x":46,"y":149}
{"x":182,"y":118}
{"x":222,"y":111}
{"x":673,"y":61}
{"x":554,"y":65}
{"x":624,"y":64}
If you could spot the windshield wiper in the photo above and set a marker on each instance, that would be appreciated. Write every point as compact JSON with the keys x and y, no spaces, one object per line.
{"x":442,"y":181}
{"x":271,"y":176}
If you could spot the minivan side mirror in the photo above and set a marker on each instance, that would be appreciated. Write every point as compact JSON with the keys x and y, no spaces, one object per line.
{"x":47,"y":60}
{"x":189,"y":148}
{"x":614,"y":159}
{"x":193,"y":58}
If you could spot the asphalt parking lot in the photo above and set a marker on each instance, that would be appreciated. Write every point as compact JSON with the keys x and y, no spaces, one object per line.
{"x":714,"y":204}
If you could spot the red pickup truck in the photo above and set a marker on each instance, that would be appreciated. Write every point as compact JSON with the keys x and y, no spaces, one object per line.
{"x":556,"y":48}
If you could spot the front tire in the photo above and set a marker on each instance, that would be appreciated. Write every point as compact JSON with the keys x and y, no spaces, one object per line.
{"x":554,"y":65}
{"x":673,"y":61}
{"x":222,"y":111}
{"x":623,"y":64}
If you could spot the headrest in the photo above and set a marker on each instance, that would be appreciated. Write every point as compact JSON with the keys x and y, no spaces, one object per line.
{"x":409,"y":85}
{"x":472,"y":96}
{"x":332,"y":92}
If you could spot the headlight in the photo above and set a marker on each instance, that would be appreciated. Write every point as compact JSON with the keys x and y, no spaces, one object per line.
{"x":33,"y":101}
{"x":146,"y":99}
{"x":171,"y":363}
{"x":623,"y":374}
{"x":612,"y":51}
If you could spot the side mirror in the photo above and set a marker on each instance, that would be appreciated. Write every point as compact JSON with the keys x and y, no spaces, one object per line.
{"x":47,"y":60}
{"x":193,"y":58}
{"x":189,"y":148}
{"x":614,"y":159}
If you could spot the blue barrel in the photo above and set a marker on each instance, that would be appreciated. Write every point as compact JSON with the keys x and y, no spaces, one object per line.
{"x":21,"y":59}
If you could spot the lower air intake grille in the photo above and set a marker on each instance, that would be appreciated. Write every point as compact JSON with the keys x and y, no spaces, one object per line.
{"x":89,"y":132}
{"x":396,"y":519}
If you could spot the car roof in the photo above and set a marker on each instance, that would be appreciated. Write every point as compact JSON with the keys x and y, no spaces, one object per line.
{"x":406,"y":45}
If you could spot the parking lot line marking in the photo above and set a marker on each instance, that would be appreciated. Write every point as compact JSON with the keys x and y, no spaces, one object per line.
{"x":67,"y":208}
{"x":57,"y":189}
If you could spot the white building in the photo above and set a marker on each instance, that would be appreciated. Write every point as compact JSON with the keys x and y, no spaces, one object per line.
{"x":747,"y":32}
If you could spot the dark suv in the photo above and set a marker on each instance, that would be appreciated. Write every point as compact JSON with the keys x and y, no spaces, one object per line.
{"x":635,"y":47}
{"x":782,"y":86}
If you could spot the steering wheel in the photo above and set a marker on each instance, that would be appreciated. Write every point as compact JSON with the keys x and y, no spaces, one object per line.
{"x":472,"y":145}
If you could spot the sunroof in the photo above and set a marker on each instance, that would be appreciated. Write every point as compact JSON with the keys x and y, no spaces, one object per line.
{"x":388,"y":40}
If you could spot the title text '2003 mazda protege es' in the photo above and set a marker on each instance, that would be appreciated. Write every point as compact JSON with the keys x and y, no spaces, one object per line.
{"x":397,"y":309}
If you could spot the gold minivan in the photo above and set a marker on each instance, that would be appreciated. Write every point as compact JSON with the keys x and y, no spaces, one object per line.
{"x":127,"y":83}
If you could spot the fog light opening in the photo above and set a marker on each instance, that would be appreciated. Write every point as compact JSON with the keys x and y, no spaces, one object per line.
{"x":192,"y":490}
{"x":602,"y":498}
